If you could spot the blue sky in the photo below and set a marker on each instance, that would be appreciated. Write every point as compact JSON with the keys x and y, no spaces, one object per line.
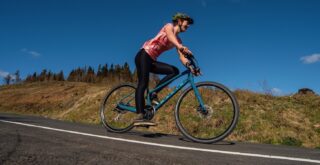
{"x":240,"y":43}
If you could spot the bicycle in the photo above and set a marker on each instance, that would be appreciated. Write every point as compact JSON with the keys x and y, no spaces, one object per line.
{"x":206,"y":112}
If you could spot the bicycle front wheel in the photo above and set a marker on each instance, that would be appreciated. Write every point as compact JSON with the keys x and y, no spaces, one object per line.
{"x":211,"y":123}
{"x":112,"y":116}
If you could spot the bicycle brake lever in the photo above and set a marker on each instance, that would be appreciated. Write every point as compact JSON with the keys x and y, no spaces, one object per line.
{"x":198,"y":72}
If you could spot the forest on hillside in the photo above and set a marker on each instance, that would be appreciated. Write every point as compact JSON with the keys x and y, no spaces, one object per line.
{"x":104,"y":73}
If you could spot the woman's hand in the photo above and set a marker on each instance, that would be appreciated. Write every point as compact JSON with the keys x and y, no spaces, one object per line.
{"x":194,"y":71}
{"x":184,"y":50}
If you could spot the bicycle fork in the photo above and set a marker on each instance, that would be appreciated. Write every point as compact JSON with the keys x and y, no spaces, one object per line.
{"x":197,"y":94}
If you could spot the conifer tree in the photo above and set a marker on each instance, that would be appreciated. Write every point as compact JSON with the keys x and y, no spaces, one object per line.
{"x":90,"y":76}
{"x":117,"y":71}
{"x":105,"y":72}
{"x":42,"y":76}
{"x":99,"y":75}
{"x":28,"y":78}
{"x":71,"y":76}
{"x":34,"y":77}
{"x":60,"y":76}
{"x":126,"y":73}
{"x":49,"y":76}
{"x":111,"y":73}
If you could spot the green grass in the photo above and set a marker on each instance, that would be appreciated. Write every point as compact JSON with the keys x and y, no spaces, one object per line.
{"x":291,"y":141}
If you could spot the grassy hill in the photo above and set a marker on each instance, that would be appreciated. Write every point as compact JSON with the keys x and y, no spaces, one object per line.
{"x":289,"y":120}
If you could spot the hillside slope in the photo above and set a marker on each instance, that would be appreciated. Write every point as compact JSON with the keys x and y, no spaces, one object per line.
{"x":289,"y":120}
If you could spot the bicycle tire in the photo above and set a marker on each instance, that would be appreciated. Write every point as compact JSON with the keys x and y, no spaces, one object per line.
{"x":230,"y":127}
{"x":104,"y":105}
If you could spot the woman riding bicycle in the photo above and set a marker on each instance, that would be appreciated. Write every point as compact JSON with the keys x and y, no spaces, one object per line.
{"x":205,"y":112}
{"x":146,"y":60}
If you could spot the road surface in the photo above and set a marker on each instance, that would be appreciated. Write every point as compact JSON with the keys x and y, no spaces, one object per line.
{"x":37,"y":140}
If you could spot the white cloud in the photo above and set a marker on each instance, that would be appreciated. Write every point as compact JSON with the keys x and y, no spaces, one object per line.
{"x":3,"y":73}
{"x":276,"y":91}
{"x":311,"y":59}
{"x":34,"y":54}
{"x":31,"y":52}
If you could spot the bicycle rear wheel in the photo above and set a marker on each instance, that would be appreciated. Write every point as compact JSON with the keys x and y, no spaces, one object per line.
{"x":213,"y":123}
{"x":114,"y":118}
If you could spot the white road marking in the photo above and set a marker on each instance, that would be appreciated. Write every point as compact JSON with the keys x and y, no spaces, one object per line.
{"x":168,"y":146}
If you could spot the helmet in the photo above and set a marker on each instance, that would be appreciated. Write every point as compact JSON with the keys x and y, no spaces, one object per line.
{"x":182,"y":16}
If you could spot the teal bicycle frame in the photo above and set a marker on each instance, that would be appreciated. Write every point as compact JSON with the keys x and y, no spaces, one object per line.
{"x":189,"y":79}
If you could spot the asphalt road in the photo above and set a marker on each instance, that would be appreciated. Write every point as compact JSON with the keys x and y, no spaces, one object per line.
{"x":36,"y":140}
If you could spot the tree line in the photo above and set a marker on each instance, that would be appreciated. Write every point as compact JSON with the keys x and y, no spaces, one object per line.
{"x":104,"y":73}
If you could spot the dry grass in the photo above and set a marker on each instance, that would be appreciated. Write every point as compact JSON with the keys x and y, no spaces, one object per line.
{"x":289,"y":120}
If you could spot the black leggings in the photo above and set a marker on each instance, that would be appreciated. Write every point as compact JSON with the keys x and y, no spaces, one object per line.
{"x":145,"y":64}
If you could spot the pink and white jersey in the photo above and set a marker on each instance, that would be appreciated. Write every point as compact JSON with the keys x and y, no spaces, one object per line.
{"x":159,"y":43}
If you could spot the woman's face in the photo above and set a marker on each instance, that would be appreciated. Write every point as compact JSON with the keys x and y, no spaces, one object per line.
{"x":184,"y":25}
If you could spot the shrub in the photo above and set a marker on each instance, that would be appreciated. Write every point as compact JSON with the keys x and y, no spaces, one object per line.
{"x":291,"y":141}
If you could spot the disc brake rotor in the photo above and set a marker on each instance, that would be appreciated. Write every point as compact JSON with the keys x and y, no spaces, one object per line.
{"x":206,"y":113}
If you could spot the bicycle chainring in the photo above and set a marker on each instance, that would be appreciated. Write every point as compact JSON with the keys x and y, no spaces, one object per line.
{"x":150,"y":111}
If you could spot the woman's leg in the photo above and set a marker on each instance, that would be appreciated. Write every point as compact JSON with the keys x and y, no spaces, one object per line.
{"x":163,"y":68}
{"x":143,"y":64}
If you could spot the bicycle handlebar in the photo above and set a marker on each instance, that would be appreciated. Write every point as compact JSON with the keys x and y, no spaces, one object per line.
{"x":193,"y":63}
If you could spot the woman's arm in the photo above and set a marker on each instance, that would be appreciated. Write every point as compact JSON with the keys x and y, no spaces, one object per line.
{"x":183,"y":59}
{"x":172,"y":37}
